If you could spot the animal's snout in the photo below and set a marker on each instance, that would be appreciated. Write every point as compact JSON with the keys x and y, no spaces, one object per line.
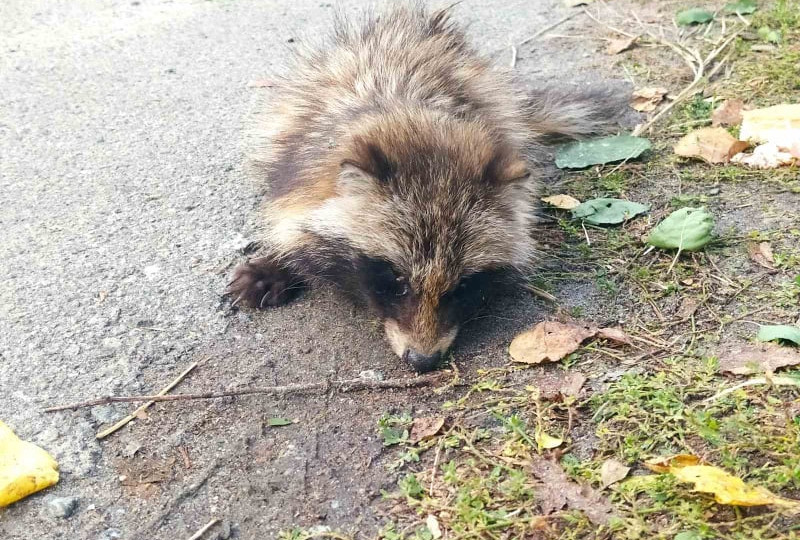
{"x":422,"y":363}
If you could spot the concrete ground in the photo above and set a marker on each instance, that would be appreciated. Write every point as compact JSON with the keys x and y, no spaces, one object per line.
{"x":123,"y":206}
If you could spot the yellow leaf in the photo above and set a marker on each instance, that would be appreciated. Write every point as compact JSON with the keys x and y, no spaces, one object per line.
{"x":728,"y":489}
{"x":24,"y":467}
{"x":562,"y":202}
{"x":545,"y":441}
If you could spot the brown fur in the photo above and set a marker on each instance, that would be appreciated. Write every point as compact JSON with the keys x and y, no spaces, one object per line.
{"x":400,"y":164}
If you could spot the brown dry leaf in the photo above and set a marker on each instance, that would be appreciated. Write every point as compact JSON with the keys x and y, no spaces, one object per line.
{"x":687,"y":308}
{"x":615,"y":334}
{"x":563,"y":202}
{"x":612,"y":471}
{"x":425,"y":428}
{"x":663,"y":464}
{"x":616,"y":46}
{"x":728,"y":114}
{"x":761,"y":254}
{"x":557,"y":491}
{"x":714,"y":145}
{"x":647,"y":99}
{"x":747,"y":358}
{"x":549,"y":341}
{"x":553,"y":384}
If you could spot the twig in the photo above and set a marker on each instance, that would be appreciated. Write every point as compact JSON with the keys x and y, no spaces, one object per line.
{"x":513,"y":57}
{"x":546,"y":29}
{"x":541,"y":293}
{"x":204,"y":529}
{"x":352,"y":385}
{"x":777,"y":381}
{"x":108,"y":431}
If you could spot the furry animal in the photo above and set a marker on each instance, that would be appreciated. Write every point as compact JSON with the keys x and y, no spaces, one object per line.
{"x":403,"y":168}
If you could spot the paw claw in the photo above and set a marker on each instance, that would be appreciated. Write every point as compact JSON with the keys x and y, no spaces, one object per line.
{"x":261,"y":283}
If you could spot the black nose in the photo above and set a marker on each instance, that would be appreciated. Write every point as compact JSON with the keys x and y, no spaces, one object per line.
{"x":422,"y":362}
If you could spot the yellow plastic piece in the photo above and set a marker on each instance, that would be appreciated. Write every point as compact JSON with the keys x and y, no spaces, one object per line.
{"x":24,"y":467}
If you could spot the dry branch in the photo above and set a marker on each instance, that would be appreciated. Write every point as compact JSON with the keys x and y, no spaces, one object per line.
{"x":352,"y":385}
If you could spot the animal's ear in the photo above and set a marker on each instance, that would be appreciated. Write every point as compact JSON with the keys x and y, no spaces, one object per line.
{"x":503,"y":170}
{"x":371,"y":161}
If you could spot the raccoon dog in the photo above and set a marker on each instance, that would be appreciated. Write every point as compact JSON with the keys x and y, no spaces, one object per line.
{"x":403,"y":168}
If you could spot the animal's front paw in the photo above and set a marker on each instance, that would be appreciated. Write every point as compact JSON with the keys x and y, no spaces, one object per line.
{"x":260,"y":283}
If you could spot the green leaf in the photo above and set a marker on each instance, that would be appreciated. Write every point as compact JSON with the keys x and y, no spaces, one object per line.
{"x":779,"y":332}
{"x":277,"y":421}
{"x":693,"y":16}
{"x":392,"y":436}
{"x":687,"y":229}
{"x":688,"y":535}
{"x":579,"y":154}
{"x":769,"y":35}
{"x":608,"y":211}
{"x":743,"y":7}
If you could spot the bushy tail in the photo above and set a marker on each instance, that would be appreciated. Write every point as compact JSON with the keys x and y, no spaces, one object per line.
{"x":557,"y":114}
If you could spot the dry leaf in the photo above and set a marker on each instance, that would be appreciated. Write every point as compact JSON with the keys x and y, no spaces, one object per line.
{"x":687,"y":308}
{"x":549,"y":341}
{"x":728,"y":114}
{"x":611,"y":472}
{"x":664,"y":464}
{"x":714,"y":145}
{"x":546,"y":441}
{"x":780,"y":123}
{"x":557,"y":490}
{"x":615,"y":334}
{"x":616,"y":46}
{"x":563,"y":202}
{"x":728,"y":489}
{"x":766,"y":156}
{"x":761,"y":254}
{"x":763,"y":357}
{"x":647,"y":99}
{"x":433,"y":526}
{"x":425,"y":428}
{"x":553,"y":384}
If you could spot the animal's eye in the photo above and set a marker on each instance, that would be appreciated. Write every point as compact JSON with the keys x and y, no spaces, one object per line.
{"x":402,"y":286}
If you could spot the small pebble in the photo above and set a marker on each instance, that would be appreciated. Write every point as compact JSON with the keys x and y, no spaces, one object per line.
{"x":62,"y":507}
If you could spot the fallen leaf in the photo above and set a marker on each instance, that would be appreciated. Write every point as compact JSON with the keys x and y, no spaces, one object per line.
{"x":687,"y":229}
{"x":545,"y":441}
{"x":761,"y":254}
{"x":580,"y":154}
{"x":767,"y":156}
{"x":647,"y":99}
{"x":433,"y":526}
{"x":563,"y":202}
{"x":771,"y":124}
{"x":728,"y":114}
{"x":663,"y":464}
{"x":615,"y":334}
{"x":687,"y":308}
{"x":425,"y":428}
{"x":769,"y":35}
{"x":713,"y":145}
{"x":557,"y":490}
{"x":553,"y":384}
{"x":24,"y":467}
{"x":277,"y":422}
{"x":549,"y":341}
{"x":743,"y":7}
{"x":726,"y":488}
{"x":783,"y":332}
{"x":616,"y":46}
{"x":611,"y":472}
{"x":608,"y":211}
{"x":693,"y":16}
{"x":745,"y":359}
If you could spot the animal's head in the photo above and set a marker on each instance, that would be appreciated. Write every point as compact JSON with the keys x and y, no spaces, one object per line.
{"x":431,"y":209}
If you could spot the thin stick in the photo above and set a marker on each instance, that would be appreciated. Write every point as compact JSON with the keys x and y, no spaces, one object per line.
{"x":352,"y":385}
{"x":513,"y":57}
{"x":204,"y":529}
{"x":119,"y":425}
{"x":546,"y":29}
{"x":777,"y":381}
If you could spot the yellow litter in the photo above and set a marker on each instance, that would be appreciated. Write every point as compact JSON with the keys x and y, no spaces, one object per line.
{"x":24,"y":467}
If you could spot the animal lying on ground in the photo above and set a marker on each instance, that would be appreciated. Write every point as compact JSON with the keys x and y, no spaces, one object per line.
{"x":403,"y":168}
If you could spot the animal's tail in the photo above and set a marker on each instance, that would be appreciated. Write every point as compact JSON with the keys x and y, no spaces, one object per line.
{"x":557,"y":114}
